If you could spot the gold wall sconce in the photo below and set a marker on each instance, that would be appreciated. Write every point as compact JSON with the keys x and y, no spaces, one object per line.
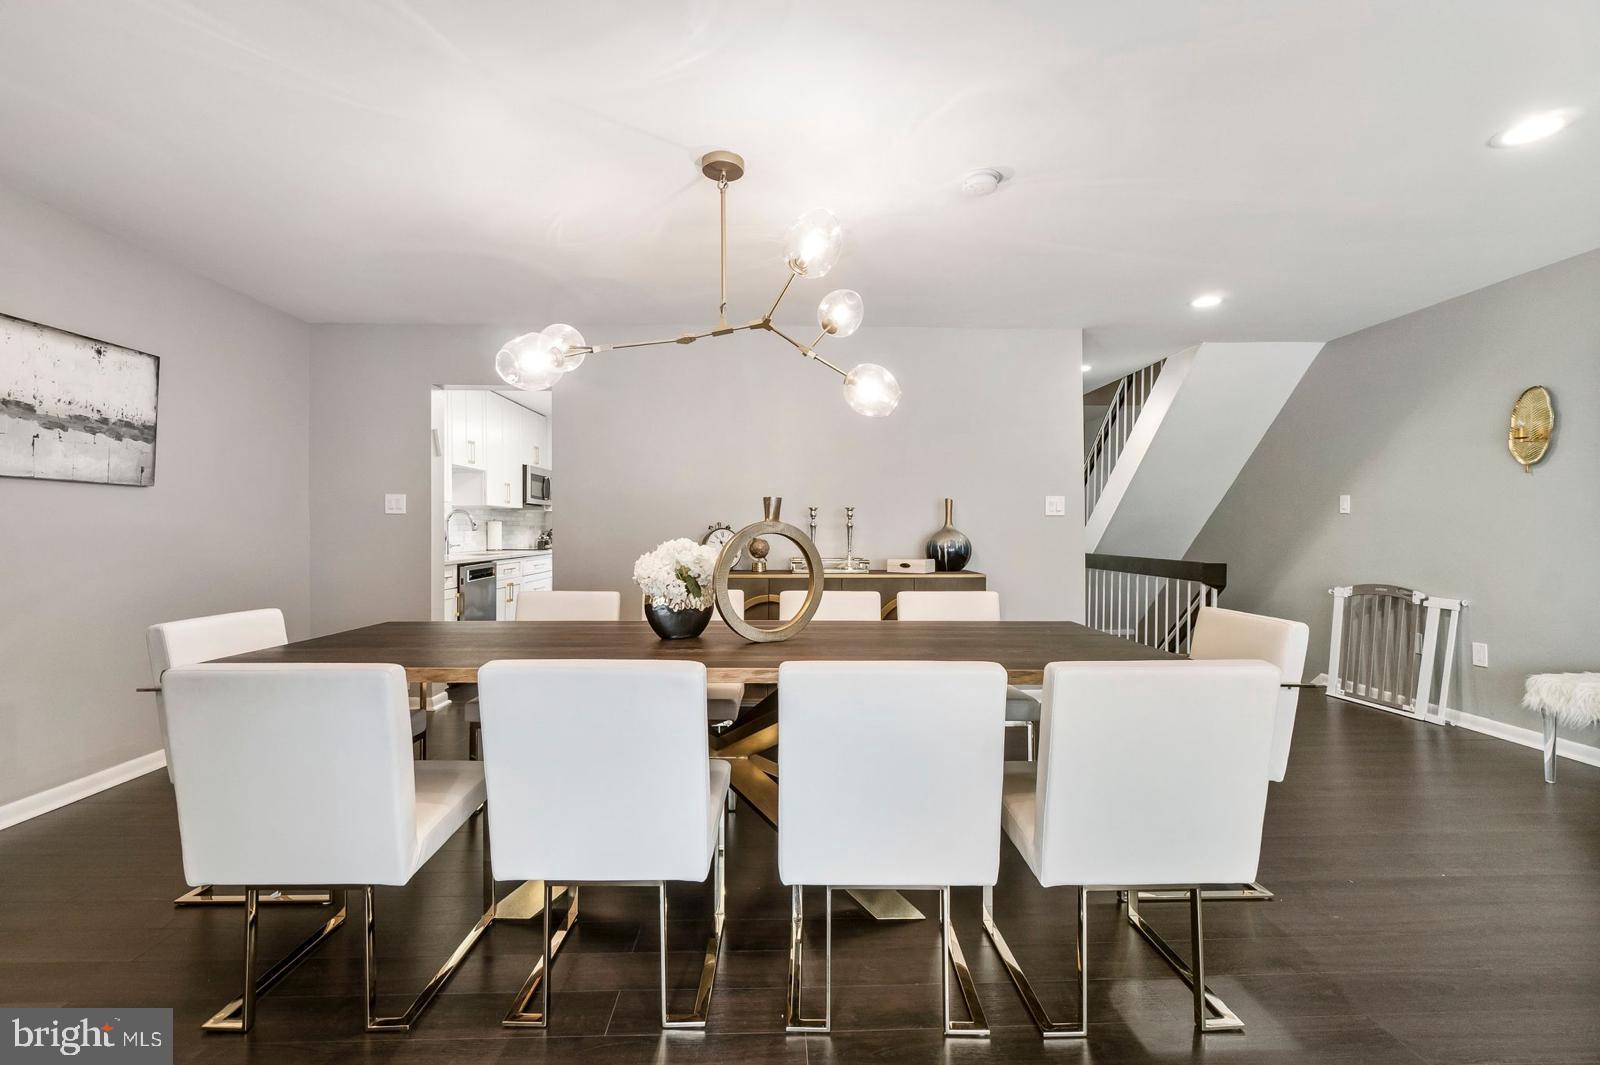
{"x":1533,"y":419}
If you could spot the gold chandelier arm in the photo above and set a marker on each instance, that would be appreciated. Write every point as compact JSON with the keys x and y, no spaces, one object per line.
{"x":781,"y":293}
{"x":722,"y":204}
{"x":807,"y":352}
{"x":684,"y":338}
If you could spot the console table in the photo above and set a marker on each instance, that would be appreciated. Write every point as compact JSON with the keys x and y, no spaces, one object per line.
{"x":761,"y":589}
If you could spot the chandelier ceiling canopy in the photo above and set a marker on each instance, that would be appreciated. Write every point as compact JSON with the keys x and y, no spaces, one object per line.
{"x":536,"y":361}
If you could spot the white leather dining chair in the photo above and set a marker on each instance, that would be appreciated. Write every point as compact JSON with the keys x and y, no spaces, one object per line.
{"x":1150,"y":774}
{"x":600,"y":772}
{"x":569,"y":606}
{"x":835,"y":605}
{"x":724,"y":699}
{"x":891,"y":779}
{"x":192,"y":640}
{"x":358,"y":810}
{"x":1022,"y":704}
{"x":1229,"y":634}
{"x":183,"y":643}
{"x":549,"y":606}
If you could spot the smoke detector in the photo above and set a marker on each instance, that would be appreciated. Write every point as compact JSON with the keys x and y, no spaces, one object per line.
{"x":981,"y":182}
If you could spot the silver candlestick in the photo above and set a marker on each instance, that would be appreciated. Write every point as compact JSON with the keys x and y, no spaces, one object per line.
{"x":849,"y":535}
{"x":813,"y":524}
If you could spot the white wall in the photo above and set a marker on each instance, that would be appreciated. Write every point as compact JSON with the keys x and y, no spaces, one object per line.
{"x":1209,"y":408}
{"x":1409,"y":418}
{"x":660,"y":442}
{"x":87,"y":567}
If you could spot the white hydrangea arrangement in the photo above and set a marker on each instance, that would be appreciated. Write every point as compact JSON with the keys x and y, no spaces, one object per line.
{"x":678,"y":574}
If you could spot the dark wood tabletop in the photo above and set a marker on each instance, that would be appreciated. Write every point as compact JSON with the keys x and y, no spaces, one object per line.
{"x":452,"y":651}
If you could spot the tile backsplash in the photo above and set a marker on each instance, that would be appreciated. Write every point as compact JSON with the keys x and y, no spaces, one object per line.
{"x":522,"y":527}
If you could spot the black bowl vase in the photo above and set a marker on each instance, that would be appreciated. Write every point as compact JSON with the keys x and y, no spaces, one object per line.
{"x":949,"y":547}
{"x":676,"y":624}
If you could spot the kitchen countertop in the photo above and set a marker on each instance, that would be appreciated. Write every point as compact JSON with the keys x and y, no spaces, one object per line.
{"x":467,"y":557}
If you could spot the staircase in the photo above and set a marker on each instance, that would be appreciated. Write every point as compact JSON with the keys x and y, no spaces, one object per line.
{"x":1176,"y":434}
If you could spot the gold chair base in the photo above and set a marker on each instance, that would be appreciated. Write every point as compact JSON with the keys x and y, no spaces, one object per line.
{"x":952,"y":958}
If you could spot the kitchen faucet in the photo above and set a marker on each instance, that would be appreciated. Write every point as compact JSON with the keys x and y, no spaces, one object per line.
{"x":452,"y":514}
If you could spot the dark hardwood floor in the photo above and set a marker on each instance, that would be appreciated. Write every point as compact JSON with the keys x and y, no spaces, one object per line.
{"x":1437,"y":903}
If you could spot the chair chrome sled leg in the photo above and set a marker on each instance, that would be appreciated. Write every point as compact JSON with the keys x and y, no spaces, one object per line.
{"x":1252,"y":892}
{"x":520,"y":1016}
{"x":1050,"y":1029}
{"x":403,"y":1022}
{"x":696,"y":1018}
{"x":240,"y":1014}
{"x":793,"y":1020}
{"x":206,"y":895}
{"x":1211,"y":1014}
{"x":951,"y":957}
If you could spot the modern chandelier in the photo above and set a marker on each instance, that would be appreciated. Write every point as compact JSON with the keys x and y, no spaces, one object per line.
{"x":536,"y":361}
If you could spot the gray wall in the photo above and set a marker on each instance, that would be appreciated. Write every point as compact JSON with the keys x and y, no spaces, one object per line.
{"x":87,"y":567}
{"x":1409,"y":418}
{"x":661,"y":442}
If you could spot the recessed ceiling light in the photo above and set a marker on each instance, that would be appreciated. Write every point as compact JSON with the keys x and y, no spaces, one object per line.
{"x":1534,"y":128}
{"x":1087,"y":367}
{"x":981,"y":182}
{"x":1206,"y":302}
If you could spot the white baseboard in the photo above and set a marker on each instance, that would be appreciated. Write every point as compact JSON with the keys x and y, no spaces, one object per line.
{"x":31,"y":806}
{"x":1500,"y":730}
{"x":1525,"y":737}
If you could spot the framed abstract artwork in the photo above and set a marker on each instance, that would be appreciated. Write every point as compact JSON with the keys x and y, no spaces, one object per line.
{"x":73,"y":408}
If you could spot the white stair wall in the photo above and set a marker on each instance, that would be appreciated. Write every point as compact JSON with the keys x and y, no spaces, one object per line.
{"x":1206,"y":413}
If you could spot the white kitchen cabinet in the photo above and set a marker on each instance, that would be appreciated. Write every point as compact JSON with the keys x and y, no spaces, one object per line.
{"x":488,"y":439}
{"x":475,"y":439}
{"x":507,"y":582}
{"x":539,"y":440}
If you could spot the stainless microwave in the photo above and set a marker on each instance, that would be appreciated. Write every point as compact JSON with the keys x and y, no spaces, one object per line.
{"x":535,"y":487}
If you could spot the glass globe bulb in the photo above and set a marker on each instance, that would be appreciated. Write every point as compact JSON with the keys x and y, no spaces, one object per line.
{"x":840,"y":312}
{"x":813,"y":244}
{"x":562,"y":338}
{"x":528,"y":361}
{"x":871,"y":390}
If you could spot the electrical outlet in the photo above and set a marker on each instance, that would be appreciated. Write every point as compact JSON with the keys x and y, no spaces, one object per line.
{"x":1480,"y":655}
{"x":1055,"y":506}
{"x":1344,"y":504}
{"x":394,"y":503}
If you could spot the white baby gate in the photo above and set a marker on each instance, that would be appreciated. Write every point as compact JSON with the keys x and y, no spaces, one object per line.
{"x":1386,"y":647}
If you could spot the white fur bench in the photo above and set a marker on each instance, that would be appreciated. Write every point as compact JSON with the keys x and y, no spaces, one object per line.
{"x":1570,"y":699}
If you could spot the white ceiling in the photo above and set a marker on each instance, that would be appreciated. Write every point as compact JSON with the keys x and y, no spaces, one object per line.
{"x":431,"y":161}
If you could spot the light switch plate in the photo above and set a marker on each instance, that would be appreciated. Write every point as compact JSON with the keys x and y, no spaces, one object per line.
{"x":1480,"y":654}
{"x":394,"y":503}
{"x":1055,"y":506}
{"x":1344,"y":504}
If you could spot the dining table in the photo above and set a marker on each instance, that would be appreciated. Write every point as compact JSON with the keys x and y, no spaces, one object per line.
{"x":434,"y":652}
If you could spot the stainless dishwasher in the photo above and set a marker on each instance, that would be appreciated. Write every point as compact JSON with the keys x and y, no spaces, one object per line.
{"x":477,"y":592}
